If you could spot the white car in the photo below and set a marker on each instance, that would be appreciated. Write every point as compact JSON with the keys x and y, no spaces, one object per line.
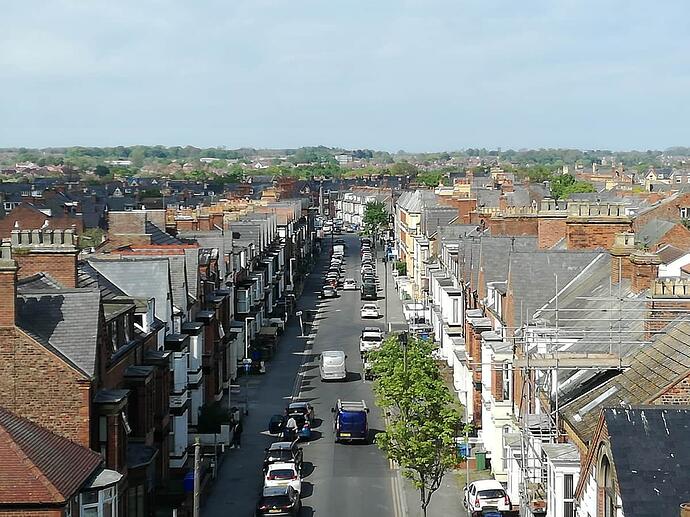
{"x":349,"y":284}
{"x":283,"y":474}
{"x":486,"y":494}
{"x":370,"y":310}
{"x":369,"y":341}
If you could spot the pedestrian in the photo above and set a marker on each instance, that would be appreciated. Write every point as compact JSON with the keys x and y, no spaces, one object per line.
{"x":291,"y":428}
{"x":237,"y":435}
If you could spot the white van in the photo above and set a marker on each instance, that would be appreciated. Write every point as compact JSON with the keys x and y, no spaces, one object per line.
{"x":332,"y":365}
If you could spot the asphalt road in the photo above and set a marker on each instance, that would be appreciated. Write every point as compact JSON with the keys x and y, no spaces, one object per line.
{"x":347,"y":479}
{"x":339,"y":479}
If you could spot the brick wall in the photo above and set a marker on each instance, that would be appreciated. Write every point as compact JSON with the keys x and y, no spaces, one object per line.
{"x":132,"y":222}
{"x":37,"y":385}
{"x":583,"y":234}
{"x":29,"y":512}
{"x":465,"y":207}
{"x":550,"y":230}
{"x":61,"y":266}
{"x":514,"y":226}
{"x":8,"y":295}
{"x":666,"y":210}
{"x":676,"y":395}
{"x":645,"y":267}
{"x":678,"y":236}
{"x":497,"y":381}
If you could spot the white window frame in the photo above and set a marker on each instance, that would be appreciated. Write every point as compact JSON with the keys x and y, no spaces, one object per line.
{"x":684,"y":212}
{"x":104,"y":496}
{"x":570,"y":499}
{"x":243,"y":301}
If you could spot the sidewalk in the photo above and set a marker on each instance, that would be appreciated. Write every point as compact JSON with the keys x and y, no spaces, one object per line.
{"x":447,"y":500}
{"x":239,"y":481}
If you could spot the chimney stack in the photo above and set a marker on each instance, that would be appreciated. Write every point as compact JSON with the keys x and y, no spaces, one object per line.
{"x":47,"y":251}
{"x":623,"y":247}
{"x":8,"y":286}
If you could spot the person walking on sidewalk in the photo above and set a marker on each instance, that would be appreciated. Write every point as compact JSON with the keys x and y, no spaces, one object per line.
{"x":237,"y":435}
{"x":291,"y":429}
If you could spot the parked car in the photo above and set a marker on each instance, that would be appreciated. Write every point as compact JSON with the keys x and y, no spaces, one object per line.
{"x":370,"y":310}
{"x":283,"y":474}
{"x":276,"y":424}
{"x":303,"y":428}
{"x":284,"y":452}
{"x":328,"y":291}
{"x":302,"y":407}
{"x":369,"y":341}
{"x":279,"y":500}
{"x":349,"y":284}
{"x":486,"y":494}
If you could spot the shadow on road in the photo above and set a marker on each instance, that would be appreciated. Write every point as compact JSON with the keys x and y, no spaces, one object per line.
{"x":315,"y":435}
{"x":306,"y":511}
{"x":307,"y":489}
{"x":307,"y":469}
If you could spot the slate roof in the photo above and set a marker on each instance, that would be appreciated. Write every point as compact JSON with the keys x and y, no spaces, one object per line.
{"x":67,"y":322}
{"x":415,"y":201}
{"x":178,"y":275}
{"x":651,"y":453}
{"x":39,"y":281}
{"x":495,"y":254}
{"x":456,"y":231}
{"x":159,"y":236}
{"x":38,"y":466}
{"x":88,"y":277}
{"x":141,"y":278}
{"x":532,"y":277}
{"x":210,"y":239}
{"x":434,"y":217}
{"x":653,"y":368}
{"x":653,"y":231}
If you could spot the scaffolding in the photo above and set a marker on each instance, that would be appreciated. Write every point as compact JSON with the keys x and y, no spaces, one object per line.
{"x":561,"y":347}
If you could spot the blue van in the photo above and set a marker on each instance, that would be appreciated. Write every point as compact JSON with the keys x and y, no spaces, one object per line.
{"x":350,"y":421}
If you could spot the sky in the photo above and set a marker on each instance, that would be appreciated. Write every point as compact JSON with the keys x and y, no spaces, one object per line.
{"x":417,"y":75}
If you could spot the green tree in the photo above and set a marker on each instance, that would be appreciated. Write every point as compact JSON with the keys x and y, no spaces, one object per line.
{"x":403,"y":169}
{"x":430,"y":179}
{"x":137,"y":156}
{"x":422,"y":419}
{"x":375,"y":216}
{"x":563,"y":185}
{"x":101,"y":171}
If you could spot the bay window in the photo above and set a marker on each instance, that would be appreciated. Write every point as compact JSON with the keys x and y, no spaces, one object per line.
{"x":102,"y":503}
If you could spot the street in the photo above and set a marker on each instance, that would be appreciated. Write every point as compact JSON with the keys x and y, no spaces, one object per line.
{"x":339,"y":479}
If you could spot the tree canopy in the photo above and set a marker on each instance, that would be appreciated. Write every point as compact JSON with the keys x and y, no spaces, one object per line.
{"x":421,"y":417}
{"x":375,"y":215}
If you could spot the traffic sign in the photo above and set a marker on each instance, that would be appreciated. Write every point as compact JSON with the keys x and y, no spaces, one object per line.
{"x":299,"y":313}
{"x":246,"y":361}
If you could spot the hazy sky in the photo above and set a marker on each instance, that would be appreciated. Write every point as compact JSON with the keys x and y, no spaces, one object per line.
{"x":418,"y":75}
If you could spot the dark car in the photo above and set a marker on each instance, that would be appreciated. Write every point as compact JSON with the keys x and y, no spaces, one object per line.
{"x":278,"y":500}
{"x":284,"y":452}
{"x":302,"y":407}
{"x":329,"y":291}
{"x":276,"y":424}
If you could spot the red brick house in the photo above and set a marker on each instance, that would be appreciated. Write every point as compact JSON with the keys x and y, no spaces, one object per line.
{"x":46,"y":475}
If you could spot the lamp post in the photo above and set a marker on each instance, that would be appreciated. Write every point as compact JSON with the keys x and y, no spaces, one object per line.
{"x":247,"y":362}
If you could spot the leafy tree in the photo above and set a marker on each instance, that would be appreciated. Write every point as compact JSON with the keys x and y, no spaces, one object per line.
{"x":422,"y":419}
{"x":563,"y":185}
{"x":101,"y":171}
{"x":375,"y":215}
{"x":137,"y":156}
{"x":403,"y":169}
{"x":401,"y":266}
{"x":430,"y":179}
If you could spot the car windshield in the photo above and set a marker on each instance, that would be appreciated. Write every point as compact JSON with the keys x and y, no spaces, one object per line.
{"x":370,"y":307}
{"x":275,"y":500}
{"x":281,"y":474}
{"x":371,"y":338}
{"x":493,"y":493}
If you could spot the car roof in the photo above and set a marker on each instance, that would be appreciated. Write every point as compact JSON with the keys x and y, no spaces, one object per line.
{"x":298,"y":404}
{"x":272,"y":491}
{"x":333,"y":353}
{"x":282,"y":465}
{"x":370,"y":305}
{"x":487,"y":484}
{"x":277,"y":446}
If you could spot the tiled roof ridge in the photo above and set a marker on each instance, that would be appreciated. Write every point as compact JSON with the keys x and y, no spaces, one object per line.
{"x":6,"y":437}
{"x":65,"y":290}
{"x":37,"y":276}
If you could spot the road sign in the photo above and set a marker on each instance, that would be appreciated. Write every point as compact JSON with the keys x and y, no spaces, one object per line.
{"x":246,"y":361}
{"x":298,"y":313}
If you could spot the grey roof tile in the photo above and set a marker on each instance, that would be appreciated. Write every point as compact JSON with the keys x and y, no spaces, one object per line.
{"x":66,"y":320}
{"x":651,"y":452}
